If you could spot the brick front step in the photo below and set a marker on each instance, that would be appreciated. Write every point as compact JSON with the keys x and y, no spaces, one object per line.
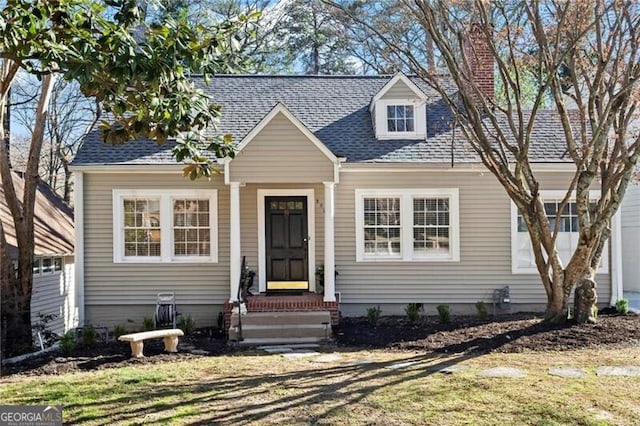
{"x":281,"y":318}
{"x":307,"y":302}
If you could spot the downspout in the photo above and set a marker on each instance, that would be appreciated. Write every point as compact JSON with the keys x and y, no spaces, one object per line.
{"x":78,"y":205}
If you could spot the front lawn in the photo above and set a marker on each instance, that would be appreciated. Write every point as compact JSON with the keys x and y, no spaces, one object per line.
{"x":357,"y":388}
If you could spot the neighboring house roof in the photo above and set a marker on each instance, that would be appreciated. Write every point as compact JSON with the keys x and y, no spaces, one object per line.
{"x":53,"y":222}
{"x":336,"y":110}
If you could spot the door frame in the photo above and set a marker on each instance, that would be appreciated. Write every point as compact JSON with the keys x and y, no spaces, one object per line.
{"x":311,"y":229}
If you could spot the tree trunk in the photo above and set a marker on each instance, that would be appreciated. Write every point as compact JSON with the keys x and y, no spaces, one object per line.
{"x":17,"y":303}
{"x":67,"y":181}
{"x":16,"y":315}
{"x":585,"y":300}
{"x":557,"y":305}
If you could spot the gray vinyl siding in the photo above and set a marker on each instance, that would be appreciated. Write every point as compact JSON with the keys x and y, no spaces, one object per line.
{"x":281,"y":153}
{"x":53,"y":294}
{"x":122,"y":293}
{"x":631,"y":238}
{"x":399,"y":91}
{"x":485,"y":246}
{"x":132,"y":316}
{"x":109,"y":283}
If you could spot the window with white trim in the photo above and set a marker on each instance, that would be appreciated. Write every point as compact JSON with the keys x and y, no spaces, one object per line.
{"x":141,"y":227}
{"x":57,"y":264}
{"x":407,"y":225}
{"x":191,"y":229}
{"x":431,"y":225}
{"x":45,"y":265}
{"x":400,"y":119}
{"x":165,"y":226}
{"x":37,"y":266}
{"x":523,"y":259}
{"x":381,"y":226}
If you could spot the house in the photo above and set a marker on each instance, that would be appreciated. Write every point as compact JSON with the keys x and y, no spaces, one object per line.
{"x":53,"y":269}
{"x":631,"y":244}
{"x":361,"y":174}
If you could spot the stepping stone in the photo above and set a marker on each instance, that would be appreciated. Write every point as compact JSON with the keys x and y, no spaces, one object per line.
{"x":328,"y":358}
{"x":277,"y":350}
{"x":509,"y":372}
{"x":601,"y":414}
{"x":300,"y":354}
{"x":622,"y":371}
{"x":281,"y":349}
{"x":359,"y":363}
{"x":450,"y":369}
{"x":401,"y":365}
{"x":568,"y":372}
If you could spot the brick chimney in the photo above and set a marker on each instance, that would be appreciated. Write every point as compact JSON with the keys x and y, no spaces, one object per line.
{"x":477,"y":51}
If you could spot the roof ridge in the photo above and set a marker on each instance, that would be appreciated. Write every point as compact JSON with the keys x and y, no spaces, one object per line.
{"x":300,"y":76}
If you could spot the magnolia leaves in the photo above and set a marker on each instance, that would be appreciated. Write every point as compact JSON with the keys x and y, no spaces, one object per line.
{"x":140,"y":73}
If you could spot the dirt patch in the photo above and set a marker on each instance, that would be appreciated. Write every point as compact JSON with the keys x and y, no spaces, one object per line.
{"x":510,"y":333}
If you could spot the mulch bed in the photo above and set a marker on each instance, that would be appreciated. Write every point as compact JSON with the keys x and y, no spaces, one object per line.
{"x":463,"y":334}
{"x":508,"y":333}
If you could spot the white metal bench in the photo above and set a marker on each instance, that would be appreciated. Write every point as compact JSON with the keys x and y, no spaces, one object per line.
{"x":136,"y":340}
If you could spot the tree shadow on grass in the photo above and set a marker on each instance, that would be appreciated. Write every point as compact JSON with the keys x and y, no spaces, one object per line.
{"x":242,"y":399}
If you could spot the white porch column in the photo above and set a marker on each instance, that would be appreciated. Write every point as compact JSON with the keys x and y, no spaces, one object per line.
{"x":235,"y":261}
{"x":329,"y":252}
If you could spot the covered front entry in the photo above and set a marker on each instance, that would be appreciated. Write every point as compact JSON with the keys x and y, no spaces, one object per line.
{"x":289,"y":174}
{"x":286,"y":243}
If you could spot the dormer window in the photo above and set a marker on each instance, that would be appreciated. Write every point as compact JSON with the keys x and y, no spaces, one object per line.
{"x":400,"y":118}
{"x":399,"y":110}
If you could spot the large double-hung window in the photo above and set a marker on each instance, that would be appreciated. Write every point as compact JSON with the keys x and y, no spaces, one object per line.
{"x":407,"y":225}
{"x":165,"y":226}
{"x":523,"y":259}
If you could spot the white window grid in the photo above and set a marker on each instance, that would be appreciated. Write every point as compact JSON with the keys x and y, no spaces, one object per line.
{"x":191,"y":227}
{"x":400,"y":118}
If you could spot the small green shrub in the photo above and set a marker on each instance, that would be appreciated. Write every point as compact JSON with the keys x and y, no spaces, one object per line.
{"x":119,"y":330}
{"x":373,"y":314}
{"x":443,"y":313}
{"x":68,"y":342}
{"x":147,"y":324}
{"x":186,"y":324}
{"x":481,"y":309}
{"x":413,"y":310}
{"x":622,"y":306}
{"x":89,"y":336}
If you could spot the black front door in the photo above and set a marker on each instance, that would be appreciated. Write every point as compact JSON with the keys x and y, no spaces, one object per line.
{"x":286,"y":243}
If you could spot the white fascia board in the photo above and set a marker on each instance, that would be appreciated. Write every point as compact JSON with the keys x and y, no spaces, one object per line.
{"x":281,"y":108}
{"x":134,"y":168}
{"x":396,"y":78}
{"x":442,"y":167}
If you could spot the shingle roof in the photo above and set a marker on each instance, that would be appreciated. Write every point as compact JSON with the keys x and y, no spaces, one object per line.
{"x":53,"y":221}
{"x":336,"y":110}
